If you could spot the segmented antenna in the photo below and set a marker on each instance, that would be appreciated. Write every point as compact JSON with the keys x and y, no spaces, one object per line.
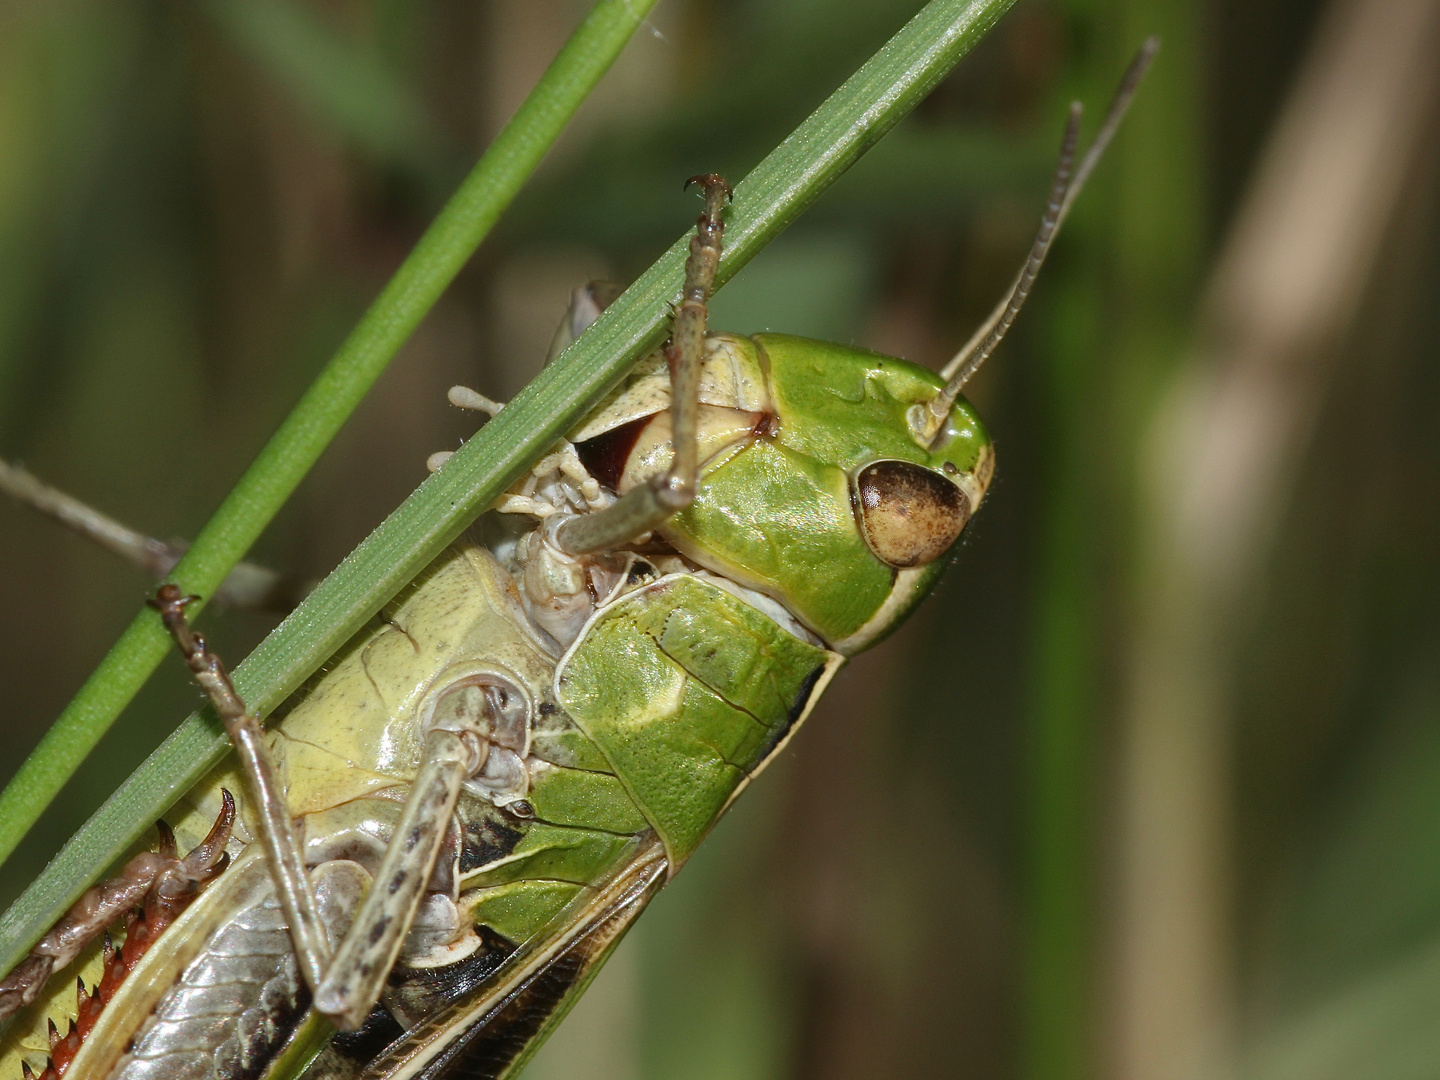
{"x":1065,"y":186}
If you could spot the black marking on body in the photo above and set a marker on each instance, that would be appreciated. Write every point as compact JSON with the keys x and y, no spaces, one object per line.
{"x":410,"y":994}
{"x":350,"y":1051}
{"x":420,"y":992}
{"x":797,"y":710}
{"x":802,"y":698}
{"x":487,"y":837}
{"x":605,"y":455}
{"x":488,"y":1048}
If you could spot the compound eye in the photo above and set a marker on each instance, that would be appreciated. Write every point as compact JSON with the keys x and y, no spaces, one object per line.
{"x":909,"y":515}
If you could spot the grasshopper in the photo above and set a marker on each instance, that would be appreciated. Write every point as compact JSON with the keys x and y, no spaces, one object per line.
{"x":437,"y":846}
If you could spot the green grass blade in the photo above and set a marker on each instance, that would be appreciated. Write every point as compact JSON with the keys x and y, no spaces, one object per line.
{"x":294,"y":448}
{"x":775,"y":192}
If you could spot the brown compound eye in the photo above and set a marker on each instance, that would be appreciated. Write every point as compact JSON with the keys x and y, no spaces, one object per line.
{"x":908,"y":514}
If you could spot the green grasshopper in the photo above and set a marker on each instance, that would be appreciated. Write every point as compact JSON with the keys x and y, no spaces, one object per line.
{"x":440,"y":843}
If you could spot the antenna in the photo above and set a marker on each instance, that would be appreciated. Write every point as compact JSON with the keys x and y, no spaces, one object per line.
{"x":1064,"y":188}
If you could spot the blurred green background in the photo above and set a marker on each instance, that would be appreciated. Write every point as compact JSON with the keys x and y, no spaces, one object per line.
{"x":1150,"y":789}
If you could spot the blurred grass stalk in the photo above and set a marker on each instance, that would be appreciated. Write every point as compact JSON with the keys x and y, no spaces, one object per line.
{"x":1121,"y":291}
{"x":1223,"y":451}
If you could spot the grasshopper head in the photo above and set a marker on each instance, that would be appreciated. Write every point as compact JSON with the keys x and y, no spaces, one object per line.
{"x":814,"y":489}
{"x":908,"y":498}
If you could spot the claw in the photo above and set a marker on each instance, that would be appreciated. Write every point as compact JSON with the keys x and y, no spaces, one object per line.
{"x":208,"y":857}
{"x":717,"y":194}
{"x":711,"y":182}
{"x":166,"y":845}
